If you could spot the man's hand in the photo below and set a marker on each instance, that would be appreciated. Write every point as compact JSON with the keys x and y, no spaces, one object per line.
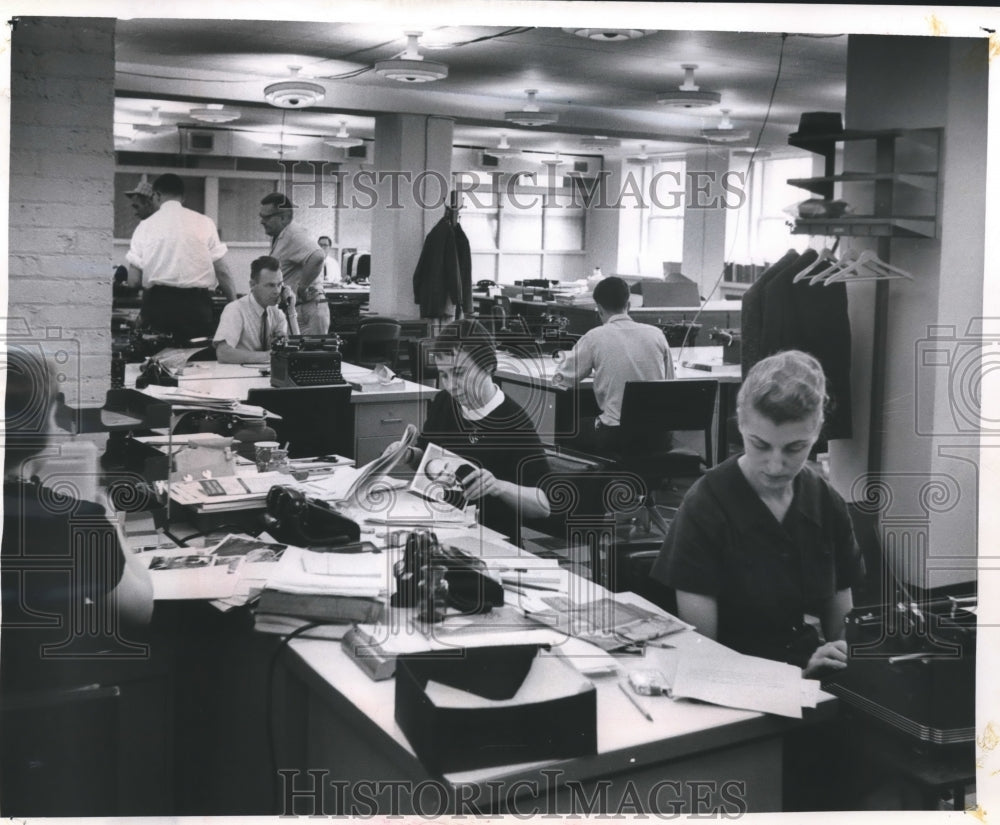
{"x":831,"y":656}
{"x":287,"y":296}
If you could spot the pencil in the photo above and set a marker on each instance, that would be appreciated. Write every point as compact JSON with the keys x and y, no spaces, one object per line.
{"x":635,"y":702}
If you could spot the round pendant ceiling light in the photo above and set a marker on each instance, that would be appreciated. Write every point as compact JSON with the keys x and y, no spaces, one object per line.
{"x":410,"y":67}
{"x":609,"y":35}
{"x":725,"y":132}
{"x":688,"y":95}
{"x":342,"y":139}
{"x":214,"y":113}
{"x":531,"y":115}
{"x":294,"y":93}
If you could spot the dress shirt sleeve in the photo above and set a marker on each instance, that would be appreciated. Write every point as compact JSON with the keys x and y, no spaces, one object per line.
{"x":136,"y":254}
{"x":577,"y":364}
{"x":230,"y":325}
{"x":280,"y":321}
{"x":216,"y":248}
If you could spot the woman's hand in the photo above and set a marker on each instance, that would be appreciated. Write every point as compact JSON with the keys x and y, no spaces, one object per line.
{"x":480,"y":483}
{"x":831,"y":656}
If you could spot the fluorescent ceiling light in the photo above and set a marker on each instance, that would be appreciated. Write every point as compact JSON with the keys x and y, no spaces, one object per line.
{"x":688,"y":95}
{"x":214,"y":113}
{"x":531,"y":115}
{"x":294,"y":93}
{"x":279,"y":148}
{"x":410,"y":67}
{"x":600,"y":142}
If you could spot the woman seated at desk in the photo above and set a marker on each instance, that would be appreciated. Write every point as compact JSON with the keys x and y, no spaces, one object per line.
{"x":762,"y":540}
{"x":70,"y":590}
{"x":475,"y":420}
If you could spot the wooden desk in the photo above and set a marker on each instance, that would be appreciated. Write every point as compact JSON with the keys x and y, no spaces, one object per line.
{"x":379,"y":416}
{"x":529,"y":382}
{"x":337,"y":724}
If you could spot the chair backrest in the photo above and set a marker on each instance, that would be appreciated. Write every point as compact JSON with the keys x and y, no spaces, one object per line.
{"x":314,"y":420}
{"x":378,"y":341}
{"x":423,"y":367}
{"x":651,"y":410}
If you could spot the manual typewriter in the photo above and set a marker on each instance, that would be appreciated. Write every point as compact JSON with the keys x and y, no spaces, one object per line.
{"x":306,"y":361}
{"x":912,"y":667}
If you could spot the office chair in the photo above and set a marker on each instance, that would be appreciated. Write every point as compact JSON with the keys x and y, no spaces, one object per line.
{"x":651,"y":412}
{"x":314,"y":420}
{"x":378,"y":342}
{"x":423,"y":367}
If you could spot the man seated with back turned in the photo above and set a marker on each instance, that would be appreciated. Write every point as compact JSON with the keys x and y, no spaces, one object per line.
{"x":249,"y":325}
{"x":618,"y":351}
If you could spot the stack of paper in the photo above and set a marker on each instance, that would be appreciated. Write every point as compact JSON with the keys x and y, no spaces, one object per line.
{"x":241,"y":492}
{"x":721,"y":676}
{"x":334,"y":589}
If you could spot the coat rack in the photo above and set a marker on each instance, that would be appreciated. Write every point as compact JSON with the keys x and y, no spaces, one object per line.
{"x":904,"y":206}
{"x":453,"y":208}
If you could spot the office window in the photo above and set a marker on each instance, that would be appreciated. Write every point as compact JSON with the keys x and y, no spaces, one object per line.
{"x":521,"y":223}
{"x":652,"y":210}
{"x":665,"y":225}
{"x":522,"y":231}
{"x":759,"y":232}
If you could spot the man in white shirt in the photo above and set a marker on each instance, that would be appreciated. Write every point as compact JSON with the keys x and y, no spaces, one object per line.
{"x":618,"y":351}
{"x":331,"y":266}
{"x":177,"y":258}
{"x":249,"y":325}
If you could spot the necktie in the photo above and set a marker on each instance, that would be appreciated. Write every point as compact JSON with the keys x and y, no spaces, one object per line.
{"x":265,"y":341}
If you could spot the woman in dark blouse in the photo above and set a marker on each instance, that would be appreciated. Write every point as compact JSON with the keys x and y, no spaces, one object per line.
{"x":762,"y":540}
{"x":475,"y":420}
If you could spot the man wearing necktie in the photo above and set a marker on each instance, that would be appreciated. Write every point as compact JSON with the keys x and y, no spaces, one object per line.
{"x":249,"y":325}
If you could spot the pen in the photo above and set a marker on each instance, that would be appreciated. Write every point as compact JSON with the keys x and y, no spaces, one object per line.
{"x":531,"y":586}
{"x":635,"y":702}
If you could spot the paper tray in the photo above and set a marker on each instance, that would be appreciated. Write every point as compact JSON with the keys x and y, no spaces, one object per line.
{"x":456,"y":739}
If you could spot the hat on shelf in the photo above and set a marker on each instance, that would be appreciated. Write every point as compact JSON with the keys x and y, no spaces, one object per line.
{"x":143,"y":187}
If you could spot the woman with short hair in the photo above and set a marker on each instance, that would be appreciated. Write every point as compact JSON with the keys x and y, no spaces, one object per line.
{"x":473,"y":418}
{"x":762,"y":540}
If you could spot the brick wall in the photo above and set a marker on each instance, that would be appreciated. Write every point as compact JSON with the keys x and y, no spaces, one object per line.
{"x":61,"y":191}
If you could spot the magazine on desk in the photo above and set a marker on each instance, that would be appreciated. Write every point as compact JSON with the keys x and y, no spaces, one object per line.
{"x":354,"y":486}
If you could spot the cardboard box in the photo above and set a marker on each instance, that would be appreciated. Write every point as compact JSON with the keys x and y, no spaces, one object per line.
{"x":494,"y":726}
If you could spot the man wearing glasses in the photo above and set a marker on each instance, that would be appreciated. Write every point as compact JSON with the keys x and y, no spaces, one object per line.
{"x":301,"y":260}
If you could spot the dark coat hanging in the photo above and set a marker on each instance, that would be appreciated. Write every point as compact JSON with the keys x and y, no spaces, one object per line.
{"x":444,"y":271}
{"x":781,"y":315}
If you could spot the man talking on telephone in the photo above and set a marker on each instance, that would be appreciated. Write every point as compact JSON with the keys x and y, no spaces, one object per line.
{"x":251,"y":324}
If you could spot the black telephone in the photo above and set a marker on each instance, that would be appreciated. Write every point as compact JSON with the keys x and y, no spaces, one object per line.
{"x":485,"y":284}
{"x":294,"y":518}
{"x":470,"y":588}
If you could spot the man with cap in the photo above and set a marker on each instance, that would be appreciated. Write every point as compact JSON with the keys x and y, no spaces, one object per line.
{"x":301,"y":260}
{"x":141,"y":199}
{"x":177,"y":257}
